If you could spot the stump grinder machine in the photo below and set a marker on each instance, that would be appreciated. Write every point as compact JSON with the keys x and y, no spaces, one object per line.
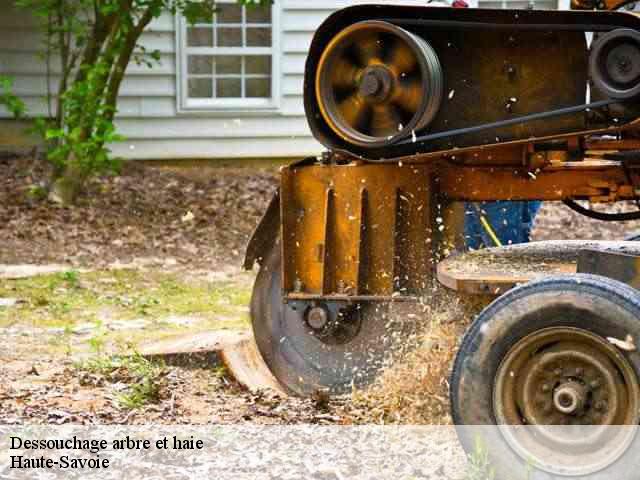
{"x":422,"y":109}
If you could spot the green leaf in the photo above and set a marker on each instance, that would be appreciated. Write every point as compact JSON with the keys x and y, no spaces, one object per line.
{"x":51,"y":134}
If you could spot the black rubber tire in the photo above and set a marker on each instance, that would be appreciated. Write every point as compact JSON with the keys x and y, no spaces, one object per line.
{"x":301,"y":362}
{"x":600,"y":305}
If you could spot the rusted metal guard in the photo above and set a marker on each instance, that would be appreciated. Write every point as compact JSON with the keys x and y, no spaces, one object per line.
{"x":619,"y":266}
{"x":371,"y":232}
{"x":358,"y":231}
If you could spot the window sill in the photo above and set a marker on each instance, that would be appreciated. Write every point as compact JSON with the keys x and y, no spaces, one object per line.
{"x":229,"y":111}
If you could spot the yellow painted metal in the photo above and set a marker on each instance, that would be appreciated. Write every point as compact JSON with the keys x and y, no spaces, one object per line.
{"x":365,"y":231}
{"x":357,"y":229}
{"x":593,"y":180}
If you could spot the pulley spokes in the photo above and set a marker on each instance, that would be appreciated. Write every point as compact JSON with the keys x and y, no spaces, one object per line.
{"x":377,"y":82}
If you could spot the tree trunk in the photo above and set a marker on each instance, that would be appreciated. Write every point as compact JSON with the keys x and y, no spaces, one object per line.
{"x":66,"y":185}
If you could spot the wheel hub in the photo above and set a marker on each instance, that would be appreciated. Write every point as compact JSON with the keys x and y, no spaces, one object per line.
{"x":559,"y":379}
{"x":318,"y":318}
{"x":376,"y":84}
{"x":333,"y":324}
{"x":570,"y":383}
{"x":569,"y":398}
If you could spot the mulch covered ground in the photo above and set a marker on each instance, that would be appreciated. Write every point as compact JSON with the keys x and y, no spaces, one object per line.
{"x":202,"y":220}
{"x":51,"y":390}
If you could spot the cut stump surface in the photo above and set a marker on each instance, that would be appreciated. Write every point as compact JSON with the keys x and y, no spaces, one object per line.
{"x":494,"y":271}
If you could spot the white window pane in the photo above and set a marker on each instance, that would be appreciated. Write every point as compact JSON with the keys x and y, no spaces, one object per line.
{"x":242,"y":77}
{"x":200,"y":64}
{"x":258,"y":87}
{"x":199,"y":37}
{"x":259,"y":14}
{"x":229,"y":37}
{"x":229,"y":88}
{"x":260,"y":65}
{"x":200,"y":87}
{"x":228,"y":13}
{"x":258,"y":37}
{"x":226,"y":64}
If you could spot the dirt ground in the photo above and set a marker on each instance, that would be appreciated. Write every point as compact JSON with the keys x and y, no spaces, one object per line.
{"x":192,"y":229}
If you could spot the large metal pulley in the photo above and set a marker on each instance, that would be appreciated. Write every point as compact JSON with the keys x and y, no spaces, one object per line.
{"x":614,"y":64}
{"x":377,"y":83}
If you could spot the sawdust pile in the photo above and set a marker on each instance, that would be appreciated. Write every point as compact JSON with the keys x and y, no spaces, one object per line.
{"x":415,"y":388}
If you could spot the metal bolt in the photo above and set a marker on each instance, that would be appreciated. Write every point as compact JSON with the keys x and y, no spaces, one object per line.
{"x":557,"y":372}
{"x":370,"y":85}
{"x":601,"y":406}
{"x":325,"y":158}
{"x":317,"y":318}
{"x":546,"y":388}
{"x":595,"y":384}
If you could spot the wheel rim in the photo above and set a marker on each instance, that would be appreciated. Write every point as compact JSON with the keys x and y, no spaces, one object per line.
{"x":377,"y":83}
{"x":570,"y":387}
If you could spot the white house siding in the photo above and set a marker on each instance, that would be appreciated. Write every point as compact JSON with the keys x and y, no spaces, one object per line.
{"x":148,"y":108}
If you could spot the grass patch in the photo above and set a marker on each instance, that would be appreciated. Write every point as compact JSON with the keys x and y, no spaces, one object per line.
{"x":70,"y":298}
{"x":479,"y":465}
{"x":145,"y":378}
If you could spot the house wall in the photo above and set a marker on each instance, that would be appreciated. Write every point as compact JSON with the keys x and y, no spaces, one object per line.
{"x":149,"y":116}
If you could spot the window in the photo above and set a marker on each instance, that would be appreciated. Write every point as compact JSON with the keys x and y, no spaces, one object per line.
{"x":229,"y":63}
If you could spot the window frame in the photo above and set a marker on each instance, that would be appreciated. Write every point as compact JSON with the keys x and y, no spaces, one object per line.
{"x":227,"y":105}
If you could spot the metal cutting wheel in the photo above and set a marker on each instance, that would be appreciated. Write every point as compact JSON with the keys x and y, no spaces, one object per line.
{"x":313,"y":347}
